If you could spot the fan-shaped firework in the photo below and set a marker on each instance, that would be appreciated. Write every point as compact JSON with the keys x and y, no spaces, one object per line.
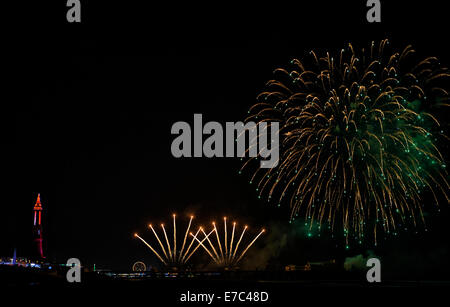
{"x":170,"y":255}
{"x":360,"y":136}
{"x":226,"y":255}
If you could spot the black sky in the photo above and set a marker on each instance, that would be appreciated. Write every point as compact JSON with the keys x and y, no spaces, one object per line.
{"x":87,"y":110}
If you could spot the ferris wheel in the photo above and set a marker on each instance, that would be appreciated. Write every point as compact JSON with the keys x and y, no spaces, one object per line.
{"x":139,"y":267}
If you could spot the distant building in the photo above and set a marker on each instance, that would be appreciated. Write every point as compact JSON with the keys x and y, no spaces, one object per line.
{"x":294,"y":267}
{"x":311,"y":265}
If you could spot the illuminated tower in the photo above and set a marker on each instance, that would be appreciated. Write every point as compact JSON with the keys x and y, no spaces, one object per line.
{"x":37,"y":227}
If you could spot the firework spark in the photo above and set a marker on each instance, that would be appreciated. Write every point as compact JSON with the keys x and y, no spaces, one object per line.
{"x":230,"y":257}
{"x":359,"y":138}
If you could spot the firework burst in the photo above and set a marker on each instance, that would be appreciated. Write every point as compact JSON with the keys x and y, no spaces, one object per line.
{"x":226,"y":255}
{"x":359,"y":138}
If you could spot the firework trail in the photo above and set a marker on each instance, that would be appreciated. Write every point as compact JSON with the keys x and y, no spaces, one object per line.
{"x":231,"y":257}
{"x":359,"y":138}
{"x":152,"y":249}
{"x":171,"y":256}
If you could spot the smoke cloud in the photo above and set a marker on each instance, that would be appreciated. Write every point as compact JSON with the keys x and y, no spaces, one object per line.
{"x":272,"y":244}
{"x":358,"y":262}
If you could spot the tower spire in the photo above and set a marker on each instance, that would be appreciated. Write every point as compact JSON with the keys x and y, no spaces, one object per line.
{"x":37,"y":227}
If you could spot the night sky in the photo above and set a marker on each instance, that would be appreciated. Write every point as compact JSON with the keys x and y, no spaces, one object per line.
{"x":87,"y":110}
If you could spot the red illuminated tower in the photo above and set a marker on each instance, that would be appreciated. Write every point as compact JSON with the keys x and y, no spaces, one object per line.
{"x":37,"y":227}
